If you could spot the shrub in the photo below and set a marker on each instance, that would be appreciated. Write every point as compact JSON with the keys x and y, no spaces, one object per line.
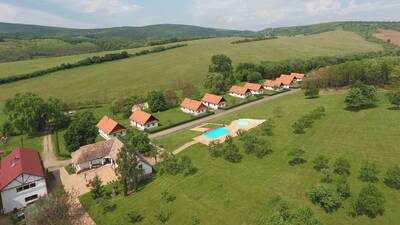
{"x":392,"y":177}
{"x":311,"y":91}
{"x":170,"y":165}
{"x":215,"y":148}
{"x":368,"y":172}
{"x":231,"y":153}
{"x":370,"y":202}
{"x":97,"y":189}
{"x":167,"y":197}
{"x":394,"y":98}
{"x":163,"y":217}
{"x":267,"y":127}
{"x":361,"y":96}
{"x":135,"y":217}
{"x":327,"y":178}
{"x":341,"y":166}
{"x":296,"y":157}
{"x":342,"y":187}
{"x":262,"y":148}
{"x":195,"y":220}
{"x":325,"y":197}
{"x":321,"y":163}
{"x":106,"y":205}
{"x":186,"y":166}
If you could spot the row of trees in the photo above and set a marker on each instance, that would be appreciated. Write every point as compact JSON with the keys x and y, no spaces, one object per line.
{"x":307,"y":121}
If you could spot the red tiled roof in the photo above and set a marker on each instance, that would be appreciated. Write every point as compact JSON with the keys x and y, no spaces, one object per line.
{"x":213,"y":99}
{"x":297,"y":75}
{"x":286,"y":79}
{"x":272,"y":83}
{"x":109,"y":126}
{"x":19,"y":161}
{"x":239,"y":90}
{"x":142,"y":117}
{"x":192,"y":104}
{"x":253,"y":86}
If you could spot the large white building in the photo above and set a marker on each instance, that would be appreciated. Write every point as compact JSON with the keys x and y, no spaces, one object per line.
{"x":102,"y":153}
{"x":22,"y":179}
{"x":109,"y":128}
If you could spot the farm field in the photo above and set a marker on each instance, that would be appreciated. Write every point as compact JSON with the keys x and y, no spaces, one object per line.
{"x":393,"y":36}
{"x":227,"y":193}
{"x":172,"y":69}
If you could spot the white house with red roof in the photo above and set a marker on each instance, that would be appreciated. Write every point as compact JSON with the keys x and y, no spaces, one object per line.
{"x":193,"y":107}
{"x":255,"y":89}
{"x":214,"y":101}
{"x":297,"y":76}
{"x":239,"y":92}
{"x":143,"y":120}
{"x":273,"y":85}
{"x":22,"y":179}
{"x":109,"y":128}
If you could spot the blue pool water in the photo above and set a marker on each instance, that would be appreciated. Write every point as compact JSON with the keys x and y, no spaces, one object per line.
{"x":217,"y":133}
{"x":242,"y":123}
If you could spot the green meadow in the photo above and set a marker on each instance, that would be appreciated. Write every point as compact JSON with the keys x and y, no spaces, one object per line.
{"x":170,"y":69}
{"x":228,"y":193}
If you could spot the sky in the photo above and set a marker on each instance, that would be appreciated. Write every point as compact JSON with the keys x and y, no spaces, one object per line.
{"x":228,"y":14}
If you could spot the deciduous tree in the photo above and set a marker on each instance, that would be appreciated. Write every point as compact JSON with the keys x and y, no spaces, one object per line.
{"x":81,"y":131}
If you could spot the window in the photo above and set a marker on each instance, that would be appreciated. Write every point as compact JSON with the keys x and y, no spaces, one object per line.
{"x":25,"y":187}
{"x":30,"y":198}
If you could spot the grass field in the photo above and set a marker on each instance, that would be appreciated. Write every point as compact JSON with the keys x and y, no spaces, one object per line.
{"x":226,"y":193}
{"x":173,"y":68}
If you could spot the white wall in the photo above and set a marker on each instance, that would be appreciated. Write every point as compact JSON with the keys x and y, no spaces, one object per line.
{"x":214,"y":106}
{"x":196,"y":113}
{"x":12,"y":199}
{"x":260,"y":92}
{"x":146,"y":126}
{"x":239,"y":95}
{"x":110,"y":136}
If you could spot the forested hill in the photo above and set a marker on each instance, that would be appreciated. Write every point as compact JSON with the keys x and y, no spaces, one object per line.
{"x":152,"y":32}
{"x":364,"y":28}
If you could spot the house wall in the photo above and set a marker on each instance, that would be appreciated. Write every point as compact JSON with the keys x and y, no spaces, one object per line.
{"x":269,"y":88}
{"x":12,"y":199}
{"x":146,"y":126}
{"x":239,"y":95}
{"x":214,"y":106}
{"x":113,"y":135}
{"x":196,"y":113}
{"x":259,"y":92}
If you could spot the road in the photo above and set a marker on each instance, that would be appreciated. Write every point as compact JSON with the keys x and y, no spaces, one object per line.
{"x":218,"y":114}
{"x":50,"y":160}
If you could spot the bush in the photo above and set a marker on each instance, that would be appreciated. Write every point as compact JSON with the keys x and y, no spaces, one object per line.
{"x":215,"y":149}
{"x":325,"y":197}
{"x":170,"y":165}
{"x":70,"y":169}
{"x":296,"y":157}
{"x":342,"y":187}
{"x":392,"y":177}
{"x":341,"y":166}
{"x":231,"y":153}
{"x":321,"y":163}
{"x":97,"y":189}
{"x":328,"y":176}
{"x":306,"y":121}
{"x":311,"y":91}
{"x":186,"y":166}
{"x":106,"y":205}
{"x":267,"y":127}
{"x":361,"y":96}
{"x":394,"y":98}
{"x":167,"y":197}
{"x":135,"y":217}
{"x":163,"y":217}
{"x":370,"y":202}
{"x":368,"y":172}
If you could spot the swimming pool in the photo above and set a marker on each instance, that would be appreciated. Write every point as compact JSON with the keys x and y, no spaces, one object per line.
{"x":217,"y":133}
{"x":242,"y":122}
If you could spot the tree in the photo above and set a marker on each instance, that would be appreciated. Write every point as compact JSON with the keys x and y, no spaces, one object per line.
{"x":299,"y":126}
{"x":215,"y":148}
{"x":7,"y":129}
{"x":81,"y":131}
{"x":368,"y":172}
{"x":370,"y":202}
{"x":170,"y":165}
{"x":262,"y":148}
{"x":249,"y":141}
{"x":342,"y":187}
{"x":296,"y":157}
{"x":27,"y":112}
{"x":321,"y":163}
{"x":191,"y":91}
{"x":220,"y":64}
{"x":392,"y":177}
{"x":325,"y":197}
{"x":311,"y":91}
{"x":55,"y":113}
{"x":231,"y":152}
{"x":267,"y":127}
{"x":97,"y":189}
{"x":248,"y":75}
{"x":394,"y":98}
{"x":135,"y":217}
{"x":361,"y":96}
{"x":216,"y":83}
{"x":186,"y":166}
{"x":157,"y":101}
{"x":56,"y":208}
{"x":341,"y":166}
{"x":128,"y":170}
{"x":171,"y":98}
{"x":139,"y":140}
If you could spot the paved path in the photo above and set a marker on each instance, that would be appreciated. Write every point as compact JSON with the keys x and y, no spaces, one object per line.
{"x":50,"y":160}
{"x":185,"y":146}
{"x":218,"y":114}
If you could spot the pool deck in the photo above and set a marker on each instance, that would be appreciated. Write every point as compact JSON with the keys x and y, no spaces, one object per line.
{"x":234,"y":127}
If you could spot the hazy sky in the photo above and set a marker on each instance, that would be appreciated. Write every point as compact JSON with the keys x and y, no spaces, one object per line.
{"x":233,"y":14}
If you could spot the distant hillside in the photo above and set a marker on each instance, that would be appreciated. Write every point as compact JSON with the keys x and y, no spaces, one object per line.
{"x":21,"y":41}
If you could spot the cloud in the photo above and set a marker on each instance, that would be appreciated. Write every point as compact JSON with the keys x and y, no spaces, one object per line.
{"x":101,"y":6}
{"x":322,"y":6}
{"x":15,"y":14}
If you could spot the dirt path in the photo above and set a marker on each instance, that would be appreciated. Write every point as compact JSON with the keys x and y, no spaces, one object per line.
{"x":50,"y":160}
{"x":218,"y":114}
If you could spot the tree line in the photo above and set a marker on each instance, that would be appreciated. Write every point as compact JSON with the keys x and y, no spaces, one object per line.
{"x":246,"y":40}
{"x":86,"y":62}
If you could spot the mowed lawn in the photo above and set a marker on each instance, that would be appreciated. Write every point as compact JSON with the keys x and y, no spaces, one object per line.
{"x":226,"y":193}
{"x":173,"y":68}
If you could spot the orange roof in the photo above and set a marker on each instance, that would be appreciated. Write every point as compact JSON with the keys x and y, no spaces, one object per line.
{"x":285,"y":79}
{"x":213,"y":99}
{"x":109,"y":126}
{"x":253,"y":86}
{"x":192,"y":104}
{"x":297,"y":75}
{"x":142,"y":117}
{"x":239,"y":90}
